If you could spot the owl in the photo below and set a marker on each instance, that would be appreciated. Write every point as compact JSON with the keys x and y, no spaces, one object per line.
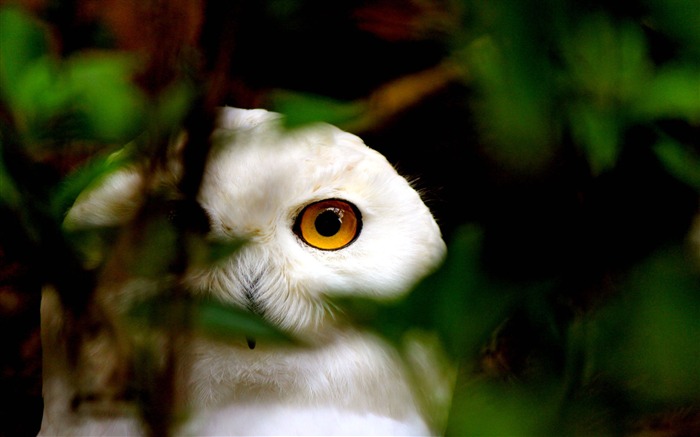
{"x":323,"y":215}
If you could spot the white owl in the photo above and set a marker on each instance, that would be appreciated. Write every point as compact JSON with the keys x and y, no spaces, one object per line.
{"x":323,"y":215}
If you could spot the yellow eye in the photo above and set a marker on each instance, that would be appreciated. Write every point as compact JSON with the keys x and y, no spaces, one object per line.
{"x":328,"y":224}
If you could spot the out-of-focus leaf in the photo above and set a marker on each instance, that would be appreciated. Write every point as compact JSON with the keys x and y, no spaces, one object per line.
{"x":206,"y":253}
{"x":681,"y":161}
{"x":89,"y":174}
{"x":211,"y":317}
{"x":40,"y":94}
{"x":92,"y":95}
{"x":467,"y":306}
{"x":513,"y":104}
{"x":647,"y":339}
{"x":155,"y":249}
{"x":673,"y":93}
{"x":487,"y":408}
{"x":679,"y":18}
{"x":608,"y":70}
{"x":173,"y":104}
{"x":224,"y":321}
{"x":22,"y":41}
{"x":597,"y":132}
{"x":113,"y":106}
{"x":9,"y":195}
{"x":93,"y":245}
{"x":607,"y":61}
{"x":529,"y":407}
{"x":300,"y":109}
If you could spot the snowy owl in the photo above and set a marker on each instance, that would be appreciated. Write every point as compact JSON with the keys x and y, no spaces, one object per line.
{"x":323,"y":215}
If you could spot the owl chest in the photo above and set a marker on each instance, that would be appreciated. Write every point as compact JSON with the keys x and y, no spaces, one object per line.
{"x":352,"y":372}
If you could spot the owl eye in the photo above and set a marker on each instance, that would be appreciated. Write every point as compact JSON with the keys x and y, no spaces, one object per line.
{"x":328,"y":224}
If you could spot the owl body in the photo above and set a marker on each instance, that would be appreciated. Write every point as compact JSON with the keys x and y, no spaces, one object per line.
{"x":323,"y":215}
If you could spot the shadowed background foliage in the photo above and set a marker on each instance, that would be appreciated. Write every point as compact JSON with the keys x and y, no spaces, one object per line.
{"x":557,"y":142}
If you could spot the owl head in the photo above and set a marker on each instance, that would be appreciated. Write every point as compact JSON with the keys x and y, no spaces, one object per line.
{"x":322,"y":214}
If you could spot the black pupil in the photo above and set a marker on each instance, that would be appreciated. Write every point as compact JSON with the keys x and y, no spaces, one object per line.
{"x":328,"y":223}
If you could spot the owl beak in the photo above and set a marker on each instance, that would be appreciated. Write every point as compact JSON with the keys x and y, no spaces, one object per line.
{"x":251,"y":342}
{"x":250,"y":281}
{"x":253,"y":306}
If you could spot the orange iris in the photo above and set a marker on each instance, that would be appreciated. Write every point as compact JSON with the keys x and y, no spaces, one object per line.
{"x":328,"y":224}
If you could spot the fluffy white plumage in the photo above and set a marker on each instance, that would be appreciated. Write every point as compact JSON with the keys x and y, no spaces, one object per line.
{"x":258,"y":180}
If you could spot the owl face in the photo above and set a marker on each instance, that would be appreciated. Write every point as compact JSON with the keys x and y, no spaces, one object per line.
{"x":323,"y":214}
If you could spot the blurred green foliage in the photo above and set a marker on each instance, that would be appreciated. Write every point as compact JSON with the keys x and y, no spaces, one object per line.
{"x":216,"y":320}
{"x":53,"y":111}
{"x":545,"y":75}
{"x":85,"y":97}
{"x":301,"y":109}
{"x":545,"y":72}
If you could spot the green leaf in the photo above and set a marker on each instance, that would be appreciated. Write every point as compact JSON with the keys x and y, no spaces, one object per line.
{"x":173,"y":103}
{"x":512,"y":105}
{"x":113,"y":106}
{"x":90,"y":174}
{"x":679,"y":19}
{"x":487,"y":408}
{"x":9,"y":194}
{"x":156,"y":248}
{"x":93,"y":245}
{"x":462,"y":292}
{"x":681,"y":161}
{"x":41,"y":93}
{"x":88,"y":96}
{"x":301,"y":109}
{"x":607,"y":60}
{"x":673,"y":93}
{"x":204,"y":252}
{"x":22,"y":41}
{"x":598,"y":133}
{"x":225,"y":321}
{"x":647,"y":339}
{"x":213,"y":318}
